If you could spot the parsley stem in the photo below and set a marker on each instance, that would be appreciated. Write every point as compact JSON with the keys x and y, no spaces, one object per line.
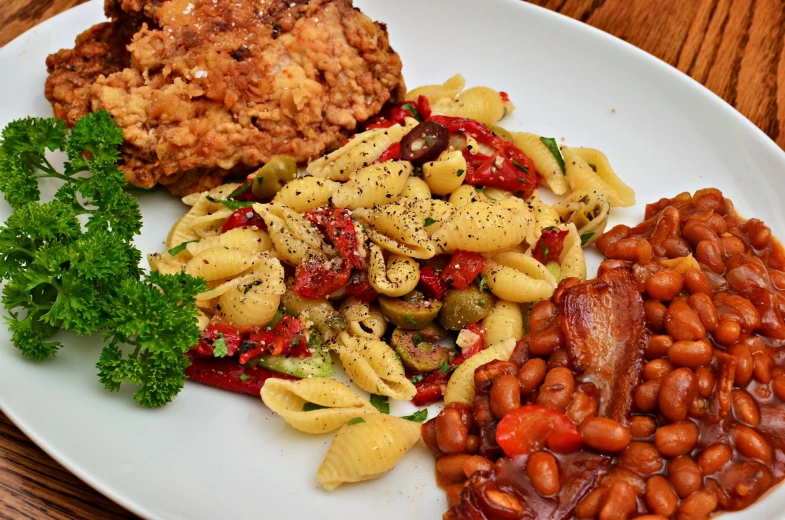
{"x":55,"y":175}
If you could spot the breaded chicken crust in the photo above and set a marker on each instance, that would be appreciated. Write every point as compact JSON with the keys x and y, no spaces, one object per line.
{"x":216,"y":87}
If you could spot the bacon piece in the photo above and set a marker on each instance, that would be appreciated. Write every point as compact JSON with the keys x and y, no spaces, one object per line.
{"x":602,"y":321}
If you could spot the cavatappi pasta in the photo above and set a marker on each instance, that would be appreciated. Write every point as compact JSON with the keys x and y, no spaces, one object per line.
{"x":411,"y":255}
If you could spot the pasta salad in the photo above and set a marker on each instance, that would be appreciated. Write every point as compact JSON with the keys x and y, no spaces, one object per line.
{"x":410,"y":254}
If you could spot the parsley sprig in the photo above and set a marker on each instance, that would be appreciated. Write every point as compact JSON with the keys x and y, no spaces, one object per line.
{"x":70,"y":264}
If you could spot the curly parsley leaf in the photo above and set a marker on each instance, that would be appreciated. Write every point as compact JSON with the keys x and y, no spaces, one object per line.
{"x":550,"y":143}
{"x":381,"y":403}
{"x":419,"y":416}
{"x":356,"y":420}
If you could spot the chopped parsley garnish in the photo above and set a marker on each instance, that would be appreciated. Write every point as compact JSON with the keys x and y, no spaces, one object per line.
{"x":413,"y":111}
{"x":70,"y":263}
{"x":429,"y":221}
{"x":259,"y":180}
{"x":410,"y":319}
{"x":310,"y":407}
{"x":251,"y":286}
{"x":417,"y":339}
{"x":521,"y":166}
{"x":521,"y":179}
{"x":480,"y":191}
{"x":484,"y":283}
{"x":545,"y":249}
{"x":243,"y":377}
{"x":356,"y":420}
{"x":585,"y":238}
{"x":550,"y":142}
{"x":416,"y":378}
{"x":219,"y":346}
{"x":381,"y":403}
{"x":483,"y":302}
{"x":419,"y":416}
{"x":460,"y":172}
{"x":234,"y":205}
{"x":176,"y":250}
{"x":444,"y":368}
{"x":429,"y":140}
{"x":240,"y":190}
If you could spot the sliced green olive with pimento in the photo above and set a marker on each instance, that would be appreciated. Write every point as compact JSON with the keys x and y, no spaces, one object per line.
{"x":411,"y":312}
{"x":462,"y":307}
{"x":271,"y":177}
{"x":418,"y":350}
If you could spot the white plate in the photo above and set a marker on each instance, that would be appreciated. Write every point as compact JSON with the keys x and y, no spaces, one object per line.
{"x":210,"y":454}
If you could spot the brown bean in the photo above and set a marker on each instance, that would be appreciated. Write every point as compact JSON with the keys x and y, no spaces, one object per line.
{"x":761,"y":367}
{"x":542,"y":315}
{"x":660,"y":496}
{"x":498,"y":504}
{"x":641,"y":457}
{"x":582,"y":407}
{"x":737,"y":308}
{"x":675,"y":247}
{"x":744,"y":364}
{"x":543,"y":471}
{"x":751,"y":444}
{"x":697,"y":506}
{"x":728,"y":332}
{"x":635,"y":481}
{"x":531,"y":375}
{"x":543,"y":343}
{"x":590,"y":505}
{"x":559,"y":359}
{"x":683,"y":323}
{"x":709,"y":254}
{"x":704,"y":308}
{"x":476,"y":463}
{"x":453,"y":492}
{"x":646,"y":395}
{"x":696,"y":282}
{"x":608,"y":264}
{"x":697,"y":408}
{"x":451,"y":433}
{"x":604,"y":434}
{"x":758,"y":233}
{"x":612,"y":236}
{"x":655,"y":369}
{"x":676,"y":438}
{"x":473,"y":443}
{"x":428,"y":433}
{"x":619,"y":503}
{"x":685,"y":475}
{"x":717,"y":224}
{"x":778,"y":385}
{"x":450,"y":467}
{"x":677,"y":391}
{"x":704,"y":376}
{"x":731,"y":245}
{"x":745,"y":409}
{"x":665,"y":285}
{"x":557,"y":389}
{"x":657,"y":346}
{"x":467,"y":414}
{"x":651,"y":517}
{"x":505,"y":395}
{"x":713,"y":458}
{"x":655,"y":315}
{"x":710,"y":199}
{"x":695,"y":232}
{"x":634,"y":249}
{"x":642,"y":427}
{"x":690,"y":353}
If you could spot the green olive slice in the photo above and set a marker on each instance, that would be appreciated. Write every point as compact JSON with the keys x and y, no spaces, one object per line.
{"x":409,"y":315}
{"x":418,"y":350}
{"x":271,"y":177}
{"x":460,"y":308}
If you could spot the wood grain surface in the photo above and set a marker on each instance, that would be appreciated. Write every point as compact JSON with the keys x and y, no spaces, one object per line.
{"x":734,"y":47}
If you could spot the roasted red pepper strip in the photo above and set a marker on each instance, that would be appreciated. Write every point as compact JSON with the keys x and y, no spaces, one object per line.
{"x":398,"y":115}
{"x":362,"y":290}
{"x":527,"y":428}
{"x":215,"y":331}
{"x":286,"y":338}
{"x":258,"y":343}
{"x":549,"y":247}
{"x":393,"y":152}
{"x":423,"y":107}
{"x":226,"y":374}
{"x":432,"y":387}
{"x":338,"y":226}
{"x":377,"y":123}
{"x":314,"y":279}
{"x":431,"y":284}
{"x":243,"y":217}
{"x":463,"y":268}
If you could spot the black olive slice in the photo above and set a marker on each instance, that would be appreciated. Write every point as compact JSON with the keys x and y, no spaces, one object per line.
{"x":425,"y":142}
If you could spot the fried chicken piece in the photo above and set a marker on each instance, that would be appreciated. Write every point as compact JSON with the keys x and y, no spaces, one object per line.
{"x":217,"y":87}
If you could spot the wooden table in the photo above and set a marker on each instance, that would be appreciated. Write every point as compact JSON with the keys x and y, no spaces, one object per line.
{"x":734,"y":47}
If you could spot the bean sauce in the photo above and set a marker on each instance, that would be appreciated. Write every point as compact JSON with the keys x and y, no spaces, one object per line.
{"x":672,"y":406}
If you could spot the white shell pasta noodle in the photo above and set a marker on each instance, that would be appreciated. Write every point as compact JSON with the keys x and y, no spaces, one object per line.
{"x":466,"y":194}
{"x":571,"y":260}
{"x":504,"y":321}
{"x":519,"y":278}
{"x":183,"y":231}
{"x":449,"y":89}
{"x":416,"y":188}
{"x":379,"y":183}
{"x":589,"y":169}
{"x":438,"y":211}
{"x":589,"y":211}
{"x":364,"y":320}
{"x":544,"y":161}
{"x":460,"y":388}
{"x":397,"y":277}
{"x":341,"y":404}
{"x":248,"y":309}
{"x":480,"y":103}
{"x":220,"y":262}
{"x":320,"y":312}
{"x":210,"y":225}
{"x":374,"y":367}
{"x":220,"y":289}
{"x":294,"y":237}
{"x":446,"y":173}
{"x":202,"y":320}
{"x":544,"y":215}
{"x":362,"y":150}
{"x":248,"y":239}
{"x":165,"y":263}
{"x":483,"y":227}
{"x":397,"y":228}
{"x":306,"y":193}
{"x":366,"y":450}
